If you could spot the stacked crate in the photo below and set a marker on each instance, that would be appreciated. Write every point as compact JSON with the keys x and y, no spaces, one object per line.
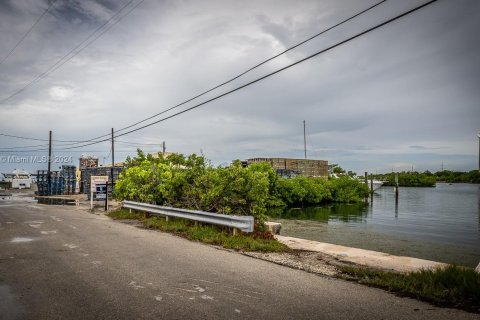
{"x":87,"y":173}
{"x":53,"y":186}
{"x":59,"y":183}
{"x":292,"y":167}
{"x":70,"y":179}
{"x":42,"y":183}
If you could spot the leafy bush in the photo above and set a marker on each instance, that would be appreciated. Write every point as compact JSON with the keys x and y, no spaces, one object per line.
{"x":346,"y":190}
{"x":192,"y":183}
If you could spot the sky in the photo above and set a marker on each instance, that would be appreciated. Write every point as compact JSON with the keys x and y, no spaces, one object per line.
{"x":404,"y":96}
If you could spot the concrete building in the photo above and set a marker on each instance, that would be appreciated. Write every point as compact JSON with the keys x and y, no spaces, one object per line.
{"x":292,"y":167}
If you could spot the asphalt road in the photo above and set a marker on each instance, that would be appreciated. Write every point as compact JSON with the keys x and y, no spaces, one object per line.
{"x":65,"y":263}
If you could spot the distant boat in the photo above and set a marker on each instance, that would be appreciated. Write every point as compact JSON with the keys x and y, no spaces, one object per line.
{"x":376,"y":185}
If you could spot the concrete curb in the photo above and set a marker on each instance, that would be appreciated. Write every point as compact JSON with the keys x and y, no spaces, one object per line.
{"x":367,"y":258}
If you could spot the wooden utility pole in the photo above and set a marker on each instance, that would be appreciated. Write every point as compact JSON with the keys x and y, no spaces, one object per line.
{"x":304,"y":140}
{"x":113,"y":160}
{"x":478,"y":136}
{"x":49,"y":173}
{"x":305,"y":148}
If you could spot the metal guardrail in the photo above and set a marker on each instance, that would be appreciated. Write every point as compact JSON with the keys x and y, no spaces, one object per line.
{"x":244,"y":223}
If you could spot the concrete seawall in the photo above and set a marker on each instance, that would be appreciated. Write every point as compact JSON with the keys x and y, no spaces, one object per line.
{"x":367,"y":258}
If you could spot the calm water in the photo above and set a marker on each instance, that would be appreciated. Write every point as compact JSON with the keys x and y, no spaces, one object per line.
{"x":441,"y":223}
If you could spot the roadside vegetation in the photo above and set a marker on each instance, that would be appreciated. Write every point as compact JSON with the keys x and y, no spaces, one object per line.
{"x":261,"y":240}
{"x":191,"y":182}
{"x":428,"y":179}
{"x":453,"y":286}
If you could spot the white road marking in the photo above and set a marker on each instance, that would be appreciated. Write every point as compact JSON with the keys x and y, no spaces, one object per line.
{"x":237,"y":311}
{"x":10,"y":222}
{"x":135,"y":285}
{"x":97,"y":262}
{"x":36,"y":226}
{"x":48,"y":232}
{"x":35,"y":207}
{"x":205,"y":297}
{"x":21,"y":239}
{"x":55,"y":218}
{"x":70,"y":245}
{"x":158,"y":298}
{"x":34,"y":222}
{"x":187,"y":290}
{"x":198,"y":288}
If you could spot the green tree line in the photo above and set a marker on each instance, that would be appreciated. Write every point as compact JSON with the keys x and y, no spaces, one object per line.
{"x":427,"y":178}
{"x":191,"y":182}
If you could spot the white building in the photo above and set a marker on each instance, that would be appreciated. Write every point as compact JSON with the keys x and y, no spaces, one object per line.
{"x":20,"y":179}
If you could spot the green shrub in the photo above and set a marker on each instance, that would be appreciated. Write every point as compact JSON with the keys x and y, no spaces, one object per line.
{"x":451,"y":286}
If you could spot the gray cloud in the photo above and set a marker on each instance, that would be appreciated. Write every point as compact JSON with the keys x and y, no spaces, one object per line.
{"x":407,"y":93}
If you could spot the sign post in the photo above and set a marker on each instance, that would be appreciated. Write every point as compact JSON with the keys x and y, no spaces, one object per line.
{"x":106,"y":196}
{"x":98,"y":186}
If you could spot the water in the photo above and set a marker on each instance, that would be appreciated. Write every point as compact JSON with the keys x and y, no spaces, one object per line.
{"x":441,"y":223}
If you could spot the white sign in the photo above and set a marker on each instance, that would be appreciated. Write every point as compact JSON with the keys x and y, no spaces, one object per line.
{"x":94,"y":180}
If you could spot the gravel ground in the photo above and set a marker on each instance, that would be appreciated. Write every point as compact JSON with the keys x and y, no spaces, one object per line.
{"x":312,"y":262}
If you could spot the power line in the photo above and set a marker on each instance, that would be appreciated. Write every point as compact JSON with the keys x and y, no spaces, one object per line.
{"x":242,"y":73}
{"x":209,"y":90}
{"x":23,"y":147}
{"x":36,"y":139}
{"x":272,"y":73}
{"x":255,"y":66}
{"x":37,"y":150}
{"x":72,"y":52}
{"x":28,"y":31}
{"x":136,"y":143}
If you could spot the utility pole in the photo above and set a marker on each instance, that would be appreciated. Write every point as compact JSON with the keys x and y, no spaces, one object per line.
{"x":304,"y":140}
{"x":305,"y":149}
{"x":49,"y":173}
{"x":163,"y":148}
{"x":478,"y":136}
{"x":113,"y":160}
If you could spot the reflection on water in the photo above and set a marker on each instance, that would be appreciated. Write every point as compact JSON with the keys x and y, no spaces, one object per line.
{"x":332,"y":213}
{"x":441,"y":223}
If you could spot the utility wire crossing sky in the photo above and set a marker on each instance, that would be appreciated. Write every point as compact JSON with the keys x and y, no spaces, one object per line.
{"x":403,"y":95}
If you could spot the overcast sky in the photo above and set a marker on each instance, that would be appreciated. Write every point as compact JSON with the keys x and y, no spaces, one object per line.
{"x":407,"y":94}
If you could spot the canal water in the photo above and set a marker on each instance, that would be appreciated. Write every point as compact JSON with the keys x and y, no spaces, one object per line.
{"x":440,"y":224}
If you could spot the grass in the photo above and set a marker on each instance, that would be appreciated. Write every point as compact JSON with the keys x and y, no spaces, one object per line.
{"x":453,"y":286}
{"x":204,"y":233}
